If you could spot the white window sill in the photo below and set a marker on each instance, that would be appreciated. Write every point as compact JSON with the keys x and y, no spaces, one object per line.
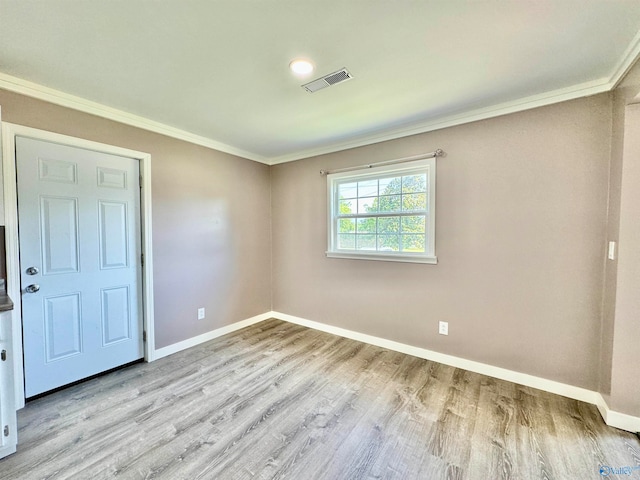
{"x":384,"y":257}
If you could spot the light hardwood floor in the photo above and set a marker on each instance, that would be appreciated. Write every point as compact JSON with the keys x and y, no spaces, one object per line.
{"x":278,"y":400}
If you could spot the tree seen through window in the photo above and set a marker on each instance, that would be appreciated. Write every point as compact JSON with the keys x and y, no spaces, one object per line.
{"x":385,"y":214}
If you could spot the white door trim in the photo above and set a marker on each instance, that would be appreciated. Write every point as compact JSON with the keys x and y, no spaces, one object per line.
{"x":9,"y":133}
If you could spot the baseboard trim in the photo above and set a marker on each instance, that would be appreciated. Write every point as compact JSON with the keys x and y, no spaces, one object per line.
{"x":617,"y":419}
{"x":205,"y":337}
{"x":611,"y":418}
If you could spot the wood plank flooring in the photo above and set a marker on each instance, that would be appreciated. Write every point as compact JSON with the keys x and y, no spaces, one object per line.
{"x":280,"y":401}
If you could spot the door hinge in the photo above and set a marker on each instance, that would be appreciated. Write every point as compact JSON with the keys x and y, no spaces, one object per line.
{"x":142,"y":259}
{"x":140,"y":182}
{"x":144,"y":335}
{"x":3,"y":355}
{"x":6,"y":430}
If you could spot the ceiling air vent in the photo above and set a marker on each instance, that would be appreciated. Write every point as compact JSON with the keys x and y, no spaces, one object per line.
{"x":328,"y":80}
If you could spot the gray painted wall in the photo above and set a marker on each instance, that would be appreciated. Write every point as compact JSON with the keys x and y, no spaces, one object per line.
{"x":525,"y":203}
{"x":625,"y":380}
{"x":521,"y":235}
{"x":620,"y":355}
{"x":211,"y":221}
{"x":613,"y":225}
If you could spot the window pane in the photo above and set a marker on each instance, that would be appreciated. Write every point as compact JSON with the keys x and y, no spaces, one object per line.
{"x":368,"y":188}
{"x":347,"y":225}
{"x":414,"y":183}
{"x":366,"y":225}
{"x":413,"y":224}
{"x":384,"y":212}
{"x":390,"y":186}
{"x":365,"y":242}
{"x":368,"y":205}
{"x":347,"y":242}
{"x":388,"y":243}
{"x":413,"y":243}
{"x":347,"y":207}
{"x":414,"y":201}
{"x":389,"y":203}
{"x":348,"y":190}
{"x":388,"y":225}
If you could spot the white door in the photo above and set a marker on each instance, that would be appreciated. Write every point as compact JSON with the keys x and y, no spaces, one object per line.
{"x":80,"y":261}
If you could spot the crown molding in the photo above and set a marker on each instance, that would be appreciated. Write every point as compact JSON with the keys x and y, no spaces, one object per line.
{"x":34,"y":90}
{"x":629,"y":58}
{"x":547,"y":98}
{"x":40,"y":92}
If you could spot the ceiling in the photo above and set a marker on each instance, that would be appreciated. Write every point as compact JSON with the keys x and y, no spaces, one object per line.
{"x":216,"y":71}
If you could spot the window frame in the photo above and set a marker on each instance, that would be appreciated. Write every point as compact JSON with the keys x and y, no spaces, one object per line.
{"x":425,"y":165}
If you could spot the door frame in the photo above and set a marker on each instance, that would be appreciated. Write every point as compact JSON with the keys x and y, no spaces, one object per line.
{"x":9,"y":183}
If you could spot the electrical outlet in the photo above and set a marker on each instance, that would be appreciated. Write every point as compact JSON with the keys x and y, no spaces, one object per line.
{"x":200,"y":313}
{"x":443,"y":328}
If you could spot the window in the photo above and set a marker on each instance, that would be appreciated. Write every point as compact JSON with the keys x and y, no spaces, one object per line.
{"x":384,"y":213}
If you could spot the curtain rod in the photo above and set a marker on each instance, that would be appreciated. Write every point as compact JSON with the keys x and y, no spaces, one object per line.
{"x":436,"y":153}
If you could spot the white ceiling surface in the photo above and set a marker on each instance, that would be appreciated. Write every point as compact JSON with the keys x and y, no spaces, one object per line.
{"x":219,"y":69}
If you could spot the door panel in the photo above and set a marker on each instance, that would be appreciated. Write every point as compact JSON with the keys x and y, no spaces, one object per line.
{"x":116,"y":315}
{"x":59,"y":227}
{"x":57,"y":171}
{"x":62,"y":332}
{"x":113,"y":235}
{"x":79,"y":226}
{"x":112,"y":178}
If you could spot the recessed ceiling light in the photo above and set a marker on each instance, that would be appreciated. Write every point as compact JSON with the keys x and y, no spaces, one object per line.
{"x":301,"y":67}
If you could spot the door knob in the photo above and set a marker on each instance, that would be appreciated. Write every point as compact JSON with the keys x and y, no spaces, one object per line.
{"x":33,"y":288}
{"x":32,"y":271}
